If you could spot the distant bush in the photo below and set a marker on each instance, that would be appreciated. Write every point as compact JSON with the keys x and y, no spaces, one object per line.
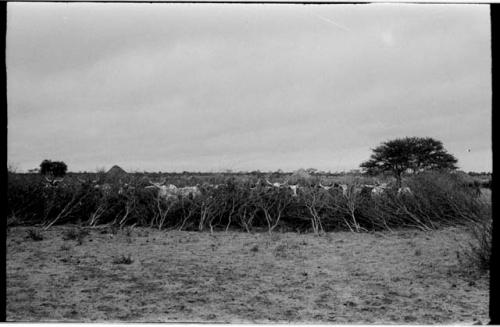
{"x":53,"y":168}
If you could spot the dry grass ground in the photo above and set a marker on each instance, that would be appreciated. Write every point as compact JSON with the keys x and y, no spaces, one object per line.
{"x":400,"y":277}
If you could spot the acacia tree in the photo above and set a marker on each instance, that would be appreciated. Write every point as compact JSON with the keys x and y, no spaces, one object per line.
{"x":409,"y":154}
{"x":54,"y":168}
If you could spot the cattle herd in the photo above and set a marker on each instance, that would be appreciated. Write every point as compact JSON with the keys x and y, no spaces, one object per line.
{"x":173,"y":192}
{"x":243,"y":201}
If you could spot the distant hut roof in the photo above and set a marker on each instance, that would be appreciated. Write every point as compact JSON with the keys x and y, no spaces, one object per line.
{"x":116,"y":171}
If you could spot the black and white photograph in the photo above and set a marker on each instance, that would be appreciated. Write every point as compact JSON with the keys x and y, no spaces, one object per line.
{"x":248,"y":163}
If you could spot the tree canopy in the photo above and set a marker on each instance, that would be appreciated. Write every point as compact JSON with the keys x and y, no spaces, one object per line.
{"x":410,"y":155}
{"x":53,"y":168}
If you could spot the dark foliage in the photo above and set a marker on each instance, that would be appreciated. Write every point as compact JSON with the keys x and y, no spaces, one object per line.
{"x":437,"y":199}
{"x":53,"y":168}
{"x":409,"y":154}
{"x":478,"y":251}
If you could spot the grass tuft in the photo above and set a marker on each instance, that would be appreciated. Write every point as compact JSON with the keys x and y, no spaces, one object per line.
{"x":478,"y":251}
{"x":123,"y":260}
{"x":75,"y":234}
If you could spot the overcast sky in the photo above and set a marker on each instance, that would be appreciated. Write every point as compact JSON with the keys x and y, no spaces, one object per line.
{"x":210,"y":87}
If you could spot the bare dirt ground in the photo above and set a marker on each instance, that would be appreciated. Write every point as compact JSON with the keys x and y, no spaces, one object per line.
{"x":400,"y":277}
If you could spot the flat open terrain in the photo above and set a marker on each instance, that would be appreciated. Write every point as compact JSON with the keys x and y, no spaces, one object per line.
{"x":399,"y":277}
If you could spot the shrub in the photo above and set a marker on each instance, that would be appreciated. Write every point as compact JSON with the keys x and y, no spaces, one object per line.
{"x":438,"y":199}
{"x":478,"y":250}
{"x":447,"y":199}
{"x":25,"y":198}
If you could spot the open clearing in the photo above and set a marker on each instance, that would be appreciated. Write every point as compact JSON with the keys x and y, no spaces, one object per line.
{"x":399,"y":277}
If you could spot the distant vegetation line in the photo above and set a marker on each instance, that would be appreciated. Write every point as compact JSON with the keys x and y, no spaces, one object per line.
{"x":406,"y":182}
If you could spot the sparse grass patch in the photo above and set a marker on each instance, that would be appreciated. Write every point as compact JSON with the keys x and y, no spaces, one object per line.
{"x":71,"y":234}
{"x":128,"y":231}
{"x":275,"y":237}
{"x":113,"y":230}
{"x":65,"y":247}
{"x":35,"y":235}
{"x":75,"y":234}
{"x":280,"y":251}
{"x":123,"y":260}
{"x":381,"y":277}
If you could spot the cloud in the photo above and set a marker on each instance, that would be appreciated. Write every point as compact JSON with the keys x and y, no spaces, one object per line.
{"x":388,"y":38}
{"x":181,"y":87}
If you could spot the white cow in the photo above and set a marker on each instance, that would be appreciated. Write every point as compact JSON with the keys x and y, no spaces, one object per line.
{"x":404,"y":191}
{"x":171,"y":191}
{"x":278,"y":185}
{"x":344,"y":188}
{"x":216,"y":186}
{"x":53,"y":182}
{"x":210,"y":187}
{"x":379,"y":189}
{"x":187,"y":191}
{"x":165,"y":191}
{"x":294,"y":189}
{"x":326,"y":188}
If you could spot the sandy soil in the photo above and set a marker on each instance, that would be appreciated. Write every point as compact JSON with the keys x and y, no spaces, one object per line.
{"x":399,"y":277}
